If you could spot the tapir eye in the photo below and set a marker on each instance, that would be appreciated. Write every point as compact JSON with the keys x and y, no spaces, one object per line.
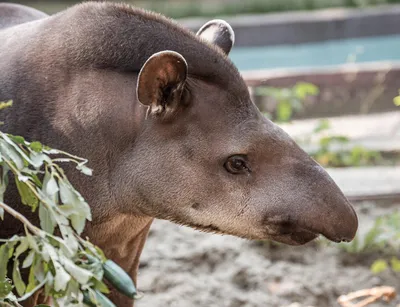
{"x":237,"y":165}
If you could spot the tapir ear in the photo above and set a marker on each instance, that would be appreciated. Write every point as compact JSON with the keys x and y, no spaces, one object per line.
{"x":161,"y":81}
{"x":218,"y":32}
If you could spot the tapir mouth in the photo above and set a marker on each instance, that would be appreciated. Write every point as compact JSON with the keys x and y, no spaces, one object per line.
{"x":337,"y":222}
{"x":296,"y":235}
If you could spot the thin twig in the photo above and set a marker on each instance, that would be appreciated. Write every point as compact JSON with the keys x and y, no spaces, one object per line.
{"x":29,"y":294}
{"x":71,"y":156}
{"x":35,"y":230}
{"x":32,"y":188}
{"x":372,"y":295}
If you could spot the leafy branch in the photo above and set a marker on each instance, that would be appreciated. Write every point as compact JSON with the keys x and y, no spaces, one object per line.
{"x":54,"y":256}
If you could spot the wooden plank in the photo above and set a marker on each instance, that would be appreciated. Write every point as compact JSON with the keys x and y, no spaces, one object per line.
{"x":379,"y":132}
{"x":368,"y":182}
{"x":359,"y":74}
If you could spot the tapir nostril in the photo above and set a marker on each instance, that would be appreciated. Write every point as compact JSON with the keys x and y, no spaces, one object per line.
{"x":348,"y":227}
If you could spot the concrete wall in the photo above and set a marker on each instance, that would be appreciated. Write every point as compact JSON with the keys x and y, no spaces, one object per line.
{"x":303,"y":27}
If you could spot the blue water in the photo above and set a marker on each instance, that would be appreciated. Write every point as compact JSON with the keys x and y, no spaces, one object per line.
{"x":359,"y":50}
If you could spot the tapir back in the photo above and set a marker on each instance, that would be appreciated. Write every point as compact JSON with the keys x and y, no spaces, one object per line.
{"x":14,"y":14}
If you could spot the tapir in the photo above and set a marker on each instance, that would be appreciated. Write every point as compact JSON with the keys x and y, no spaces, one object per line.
{"x":168,"y":126}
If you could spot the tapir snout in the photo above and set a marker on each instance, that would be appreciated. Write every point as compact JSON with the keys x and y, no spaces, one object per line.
{"x":313,"y":205}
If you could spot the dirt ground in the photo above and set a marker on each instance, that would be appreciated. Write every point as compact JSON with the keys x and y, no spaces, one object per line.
{"x":181,"y":267}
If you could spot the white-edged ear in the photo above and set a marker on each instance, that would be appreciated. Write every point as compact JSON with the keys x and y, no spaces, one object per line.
{"x":161,"y":81}
{"x":218,"y":32}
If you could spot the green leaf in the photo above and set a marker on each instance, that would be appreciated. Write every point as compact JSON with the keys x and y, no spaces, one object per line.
{"x":326,"y":141}
{"x":119,"y":279}
{"x":302,"y":90}
{"x":10,"y":251}
{"x":71,"y":242}
{"x":95,"y":298}
{"x":57,"y":294}
{"x":22,"y":247}
{"x":284,"y":111}
{"x":3,"y":185}
{"x":31,"y":280}
{"x":38,"y":158}
{"x":101,"y":286}
{"x":395,"y":264}
{"x":40,"y":270}
{"x":67,"y":210}
{"x":322,"y":125}
{"x":29,"y":259}
{"x":17,"y":139}
{"x":396,"y":101}
{"x":5,"y":288}
{"x":50,"y":186}
{"x":7,"y":104}
{"x":267,"y":91}
{"x":78,"y":222}
{"x":11,"y":154}
{"x":371,"y":236}
{"x":379,"y":266}
{"x":17,"y":149}
{"x":81,"y":275}
{"x":3,"y":261}
{"x":71,"y":197}
{"x":27,"y":195}
{"x":66,"y":193}
{"x":340,"y":139}
{"x":36,"y":181}
{"x":32,"y":243}
{"x":4,"y":178}
{"x":47,"y":223}
{"x":94,"y":250}
{"x":17,"y":279}
{"x":85,"y":170}
{"x":36,"y":146}
{"x":61,"y":277}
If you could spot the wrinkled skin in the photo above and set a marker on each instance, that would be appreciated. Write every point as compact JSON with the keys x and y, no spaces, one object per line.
{"x":185,"y":144}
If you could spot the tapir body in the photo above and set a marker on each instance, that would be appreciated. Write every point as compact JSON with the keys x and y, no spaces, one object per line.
{"x":168,"y":126}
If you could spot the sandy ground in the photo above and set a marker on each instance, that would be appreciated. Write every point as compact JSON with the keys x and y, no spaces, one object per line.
{"x":181,"y":267}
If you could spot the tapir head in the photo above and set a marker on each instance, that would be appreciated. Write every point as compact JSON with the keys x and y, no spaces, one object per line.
{"x":207,"y":158}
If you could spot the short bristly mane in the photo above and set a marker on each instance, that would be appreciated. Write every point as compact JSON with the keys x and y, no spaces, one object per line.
{"x":121,"y":37}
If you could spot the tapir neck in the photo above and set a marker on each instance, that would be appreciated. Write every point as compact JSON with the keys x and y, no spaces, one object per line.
{"x":122,"y":239}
